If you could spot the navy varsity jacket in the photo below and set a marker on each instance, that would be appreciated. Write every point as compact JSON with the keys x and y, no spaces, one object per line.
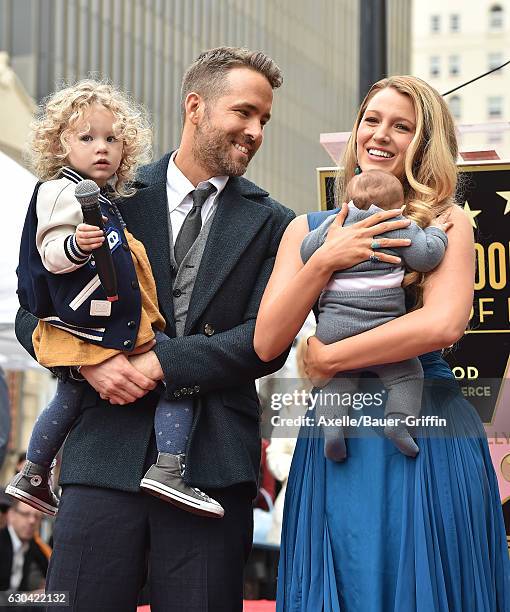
{"x":68,"y":301}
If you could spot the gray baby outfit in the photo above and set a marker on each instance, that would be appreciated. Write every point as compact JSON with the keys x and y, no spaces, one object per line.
{"x":343,"y":314}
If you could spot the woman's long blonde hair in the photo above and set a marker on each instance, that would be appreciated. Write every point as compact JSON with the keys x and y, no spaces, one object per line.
{"x":61,"y":112}
{"x":430,"y":163}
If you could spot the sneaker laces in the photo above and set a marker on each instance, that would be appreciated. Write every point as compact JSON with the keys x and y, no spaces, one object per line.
{"x":51,"y":481}
{"x":197,"y":491}
{"x":202,"y":494}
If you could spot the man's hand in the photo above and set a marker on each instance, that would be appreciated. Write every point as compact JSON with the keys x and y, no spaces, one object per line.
{"x":118,"y":381}
{"x":148,"y":364}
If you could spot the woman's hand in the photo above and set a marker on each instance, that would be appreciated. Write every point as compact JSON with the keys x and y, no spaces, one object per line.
{"x":347,"y":246}
{"x":316,"y":367}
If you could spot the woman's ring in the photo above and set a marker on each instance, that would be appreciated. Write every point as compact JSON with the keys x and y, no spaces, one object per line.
{"x":373,"y":258}
{"x":375,"y":245}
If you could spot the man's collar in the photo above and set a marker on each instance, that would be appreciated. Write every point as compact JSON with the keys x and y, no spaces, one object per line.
{"x":156,"y":173}
{"x":17,"y":544}
{"x":183,"y":186}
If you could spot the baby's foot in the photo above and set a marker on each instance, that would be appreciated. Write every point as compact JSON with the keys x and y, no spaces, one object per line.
{"x":400,"y":436}
{"x":334,"y":444}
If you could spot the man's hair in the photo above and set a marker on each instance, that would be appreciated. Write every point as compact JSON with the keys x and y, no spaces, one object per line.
{"x":375,"y":187}
{"x":207,"y":74}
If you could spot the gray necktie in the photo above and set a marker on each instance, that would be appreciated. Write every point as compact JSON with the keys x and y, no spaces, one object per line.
{"x":192,"y":223}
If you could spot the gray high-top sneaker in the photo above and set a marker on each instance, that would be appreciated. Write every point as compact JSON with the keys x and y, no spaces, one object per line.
{"x":165,"y":480}
{"x":32,"y":486}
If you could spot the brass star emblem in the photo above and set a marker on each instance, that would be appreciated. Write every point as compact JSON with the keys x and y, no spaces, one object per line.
{"x":471,"y":214}
{"x":506,"y":196}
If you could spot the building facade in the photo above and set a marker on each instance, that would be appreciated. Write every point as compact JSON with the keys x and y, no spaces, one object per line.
{"x":456,"y":41}
{"x":144,"y":46}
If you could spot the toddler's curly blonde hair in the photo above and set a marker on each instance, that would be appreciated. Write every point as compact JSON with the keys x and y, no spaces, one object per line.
{"x":59,"y":115}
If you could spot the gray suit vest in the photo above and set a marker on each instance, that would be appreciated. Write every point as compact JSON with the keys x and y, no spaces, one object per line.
{"x":187,"y":274}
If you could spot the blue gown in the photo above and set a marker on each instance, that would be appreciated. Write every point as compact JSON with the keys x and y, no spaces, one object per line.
{"x":382,"y":532}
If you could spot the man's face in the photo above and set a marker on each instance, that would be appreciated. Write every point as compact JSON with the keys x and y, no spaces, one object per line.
{"x":24,"y":520}
{"x":230,"y":130}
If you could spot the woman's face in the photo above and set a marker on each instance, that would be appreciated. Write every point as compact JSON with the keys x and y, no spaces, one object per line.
{"x":385,"y":131}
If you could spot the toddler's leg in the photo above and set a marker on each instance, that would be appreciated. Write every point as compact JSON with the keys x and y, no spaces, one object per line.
{"x":165,"y":479}
{"x":172,"y":426}
{"x":54,"y":423}
{"x":32,"y":484}
{"x":404,"y":384}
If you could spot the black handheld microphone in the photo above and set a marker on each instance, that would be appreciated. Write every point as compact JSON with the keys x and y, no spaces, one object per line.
{"x":87,"y":194}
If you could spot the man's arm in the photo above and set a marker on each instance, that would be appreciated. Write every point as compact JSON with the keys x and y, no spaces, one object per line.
{"x":223,"y":360}
{"x":24,"y":326}
{"x":115,"y":377}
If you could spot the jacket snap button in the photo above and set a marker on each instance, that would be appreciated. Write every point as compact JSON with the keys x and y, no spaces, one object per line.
{"x":177,"y":293}
{"x":131,"y":324}
{"x":127,"y":343}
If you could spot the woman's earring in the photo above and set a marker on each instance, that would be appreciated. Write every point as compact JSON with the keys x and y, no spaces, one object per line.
{"x":357,"y":170}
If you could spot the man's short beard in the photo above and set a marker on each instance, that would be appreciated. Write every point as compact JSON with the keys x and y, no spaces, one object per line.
{"x":212,"y":150}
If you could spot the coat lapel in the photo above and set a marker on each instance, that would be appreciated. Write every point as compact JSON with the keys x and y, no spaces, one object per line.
{"x":146,"y":215}
{"x":235,"y":224}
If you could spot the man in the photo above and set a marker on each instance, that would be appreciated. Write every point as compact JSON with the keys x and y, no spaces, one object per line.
{"x":5,"y":504}
{"x":5,"y":417}
{"x":23,"y":565}
{"x":209,"y":292}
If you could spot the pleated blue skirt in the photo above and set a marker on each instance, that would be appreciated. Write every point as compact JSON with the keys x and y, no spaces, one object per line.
{"x":382,"y":532}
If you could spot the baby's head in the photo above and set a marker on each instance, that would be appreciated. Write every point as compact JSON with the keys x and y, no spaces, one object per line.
{"x":375,"y":187}
{"x":94,"y":128}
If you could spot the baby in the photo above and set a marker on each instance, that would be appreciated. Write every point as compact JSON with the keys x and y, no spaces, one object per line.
{"x":365,"y":296}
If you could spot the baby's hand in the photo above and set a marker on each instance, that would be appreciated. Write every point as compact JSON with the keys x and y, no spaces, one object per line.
{"x":443,"y":221}
{"x":89,"y":237}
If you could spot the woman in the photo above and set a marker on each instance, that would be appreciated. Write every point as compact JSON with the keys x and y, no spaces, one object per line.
{"x":382,"y":532}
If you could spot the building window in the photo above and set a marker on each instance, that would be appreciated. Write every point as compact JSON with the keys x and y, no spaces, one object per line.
{"x":434,"y":66}
{"x":496,"y":17}
{"x":454,"y":104}
{"x":495,"y":107}
{"x":435,"y":24}
{"x":493,"y":61}
{"x":455,"y":22}
{"x":454,"y":65}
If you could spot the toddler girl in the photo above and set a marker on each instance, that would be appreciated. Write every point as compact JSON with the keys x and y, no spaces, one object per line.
{"x":91,"y":131}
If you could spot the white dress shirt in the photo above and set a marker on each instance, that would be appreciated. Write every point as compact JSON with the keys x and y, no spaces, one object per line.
{"x":19,"y":550}
{"x":178,"y":190}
